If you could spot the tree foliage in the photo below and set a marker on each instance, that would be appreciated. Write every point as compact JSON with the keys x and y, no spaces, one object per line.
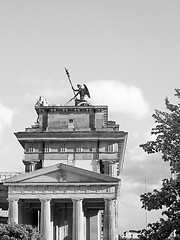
{"x":14,"y":231}
{"x":167,"y":142}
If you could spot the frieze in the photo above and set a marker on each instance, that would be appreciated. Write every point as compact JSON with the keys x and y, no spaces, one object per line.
{"x":58,"y":190}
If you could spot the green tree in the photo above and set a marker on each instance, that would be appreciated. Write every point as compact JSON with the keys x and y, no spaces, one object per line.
{"x":14,"y":231}
{"x":167,"y":142}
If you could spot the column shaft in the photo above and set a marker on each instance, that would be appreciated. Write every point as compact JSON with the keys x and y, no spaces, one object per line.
{"x":45,"y":219}
{"x":93,"y":224}
{"x":20,"y":212}
{"x":78,"y":220}
{"x":109,"y":220}
{"x":13,"y":211}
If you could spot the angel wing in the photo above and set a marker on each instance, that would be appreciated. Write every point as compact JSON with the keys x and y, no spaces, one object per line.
{"x":86,"y":91}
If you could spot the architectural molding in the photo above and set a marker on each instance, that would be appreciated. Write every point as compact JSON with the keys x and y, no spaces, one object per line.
{"x":25,"y":192}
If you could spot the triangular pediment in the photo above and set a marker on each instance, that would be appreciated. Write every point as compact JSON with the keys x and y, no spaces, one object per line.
{"x":60,"y":173}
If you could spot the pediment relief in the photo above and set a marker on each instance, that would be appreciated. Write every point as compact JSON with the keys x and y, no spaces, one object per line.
{"x":61,"y":173}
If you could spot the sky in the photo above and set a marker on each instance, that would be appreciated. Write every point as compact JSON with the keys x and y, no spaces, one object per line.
{"x":126,"y":52}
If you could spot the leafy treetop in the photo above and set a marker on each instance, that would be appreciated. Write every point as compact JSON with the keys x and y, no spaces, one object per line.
{"x":14,"y":231}
{"x":167,"y":142}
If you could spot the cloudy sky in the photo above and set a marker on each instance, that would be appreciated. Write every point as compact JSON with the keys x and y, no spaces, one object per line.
{"x":126,"y":52}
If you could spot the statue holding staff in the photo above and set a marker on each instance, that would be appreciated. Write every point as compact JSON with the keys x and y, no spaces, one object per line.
{"x":82,"y":91}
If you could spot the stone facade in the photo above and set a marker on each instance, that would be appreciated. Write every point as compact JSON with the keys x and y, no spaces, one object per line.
{"x":73,"y":159}
{"x":78,"y":136}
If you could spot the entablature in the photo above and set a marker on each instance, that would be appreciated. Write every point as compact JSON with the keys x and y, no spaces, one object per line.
{"x":64,"y":191}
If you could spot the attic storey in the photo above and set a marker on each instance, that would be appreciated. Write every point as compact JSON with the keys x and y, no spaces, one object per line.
{"x":80,"y":136}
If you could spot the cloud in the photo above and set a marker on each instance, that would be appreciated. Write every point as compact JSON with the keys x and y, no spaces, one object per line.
{"x":54,"y":90}
{"x":152,"y":169}
{"x":11,"y":152}
{"x":139,"y":165}
{"x":6,"y":115}
{"x":53,"y":96}
{"x":136,"y":153}
{"x":120,"y":97}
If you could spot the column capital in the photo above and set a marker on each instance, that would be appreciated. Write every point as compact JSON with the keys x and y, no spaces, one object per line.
{"x":76,"y":199}
{"x":13,"y":199}
{"x":45,"y":199}
{"x":106,"y":199}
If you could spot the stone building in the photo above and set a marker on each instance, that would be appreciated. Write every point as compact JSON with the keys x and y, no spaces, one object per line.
{"x":73,"y":156}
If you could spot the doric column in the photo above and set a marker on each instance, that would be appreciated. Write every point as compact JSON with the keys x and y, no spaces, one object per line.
{"x":93,"y":228}
{"x":45,"y":218}
{"x":78,"y":220}
{"x":20,"y":212}
{"x":84,"y":220}
{"x":13,"y":210}
{"x":116,"y":220}
{"x":109,"y":220}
